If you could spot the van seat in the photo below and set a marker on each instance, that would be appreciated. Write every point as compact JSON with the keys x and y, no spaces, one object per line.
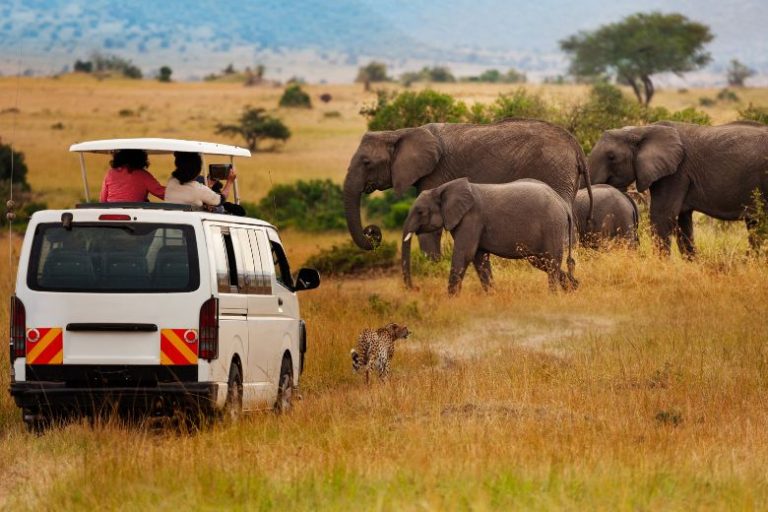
{"x":126,"y":271}
{"x":67,"y":268}
{"x":171,"y":268}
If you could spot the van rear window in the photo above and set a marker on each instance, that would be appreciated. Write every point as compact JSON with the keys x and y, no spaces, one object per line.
{"x":114,"y":258}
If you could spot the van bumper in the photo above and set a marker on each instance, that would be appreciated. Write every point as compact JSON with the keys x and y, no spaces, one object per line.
{"x":164,"y":397}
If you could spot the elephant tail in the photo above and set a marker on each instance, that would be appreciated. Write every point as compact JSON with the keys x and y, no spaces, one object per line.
{"x":584,"y":174}
{"x":570,"y":262}
{"x":635,"y":219}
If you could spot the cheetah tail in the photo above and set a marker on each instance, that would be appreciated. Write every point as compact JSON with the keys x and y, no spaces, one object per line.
{"x":356,"y":363}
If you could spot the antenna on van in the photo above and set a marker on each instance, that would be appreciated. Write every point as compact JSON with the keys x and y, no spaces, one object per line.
{"x":10,"y":205}
{"x":274,"y":197}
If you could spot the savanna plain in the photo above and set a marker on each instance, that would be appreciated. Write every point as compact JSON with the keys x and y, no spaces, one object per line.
{"x":643,"y":390}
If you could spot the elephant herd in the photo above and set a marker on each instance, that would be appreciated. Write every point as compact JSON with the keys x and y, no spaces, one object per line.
{"x":512,"y":188}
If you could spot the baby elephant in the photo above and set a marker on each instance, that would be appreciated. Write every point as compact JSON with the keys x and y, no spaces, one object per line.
{"x":524,"y":219}
{"x":614,"y":216}
{"x":375,"y":349}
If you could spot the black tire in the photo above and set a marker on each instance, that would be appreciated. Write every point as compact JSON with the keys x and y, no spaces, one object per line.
{"x":36,"y":423}
{"x":233,"y":407}
{"x":284,"y":401}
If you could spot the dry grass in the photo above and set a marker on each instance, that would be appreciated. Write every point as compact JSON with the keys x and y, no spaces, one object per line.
{"x":646,"y":389}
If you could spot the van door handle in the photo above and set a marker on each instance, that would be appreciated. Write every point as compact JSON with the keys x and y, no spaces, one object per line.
{"x":279,"y":301}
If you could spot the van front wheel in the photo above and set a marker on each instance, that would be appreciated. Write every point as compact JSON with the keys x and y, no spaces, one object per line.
{"x":285,"y":388}
{"x":233,"y":407}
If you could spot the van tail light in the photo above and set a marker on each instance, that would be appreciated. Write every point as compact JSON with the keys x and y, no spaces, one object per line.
{"x":209,"y":329}
{"x":18,"y":329}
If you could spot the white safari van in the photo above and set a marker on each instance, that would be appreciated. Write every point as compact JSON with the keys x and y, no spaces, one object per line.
{"x":154,"y":307}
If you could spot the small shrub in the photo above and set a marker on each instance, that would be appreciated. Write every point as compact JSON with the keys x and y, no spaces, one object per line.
{"x":326,"y":97}
{"x":706,"y":102}
{"x":727,"y":95}
{"x":671,"y":417}
{"x":682,"y":90}
{"x":10,"y":158}
{"x":348,"y":259}
{"x":389,"y":208}
{"x":164,"y":75}
{"x":57,"y":126}
{"x":752,"y":113}
{"x":332,"y":114}
{"x":758,"y":232}
{"x":255,"y":125}
{"x":295,"y":97}
{"x":410,"y":109}
{"x":315,"y":205}
{"x":126,"y":112}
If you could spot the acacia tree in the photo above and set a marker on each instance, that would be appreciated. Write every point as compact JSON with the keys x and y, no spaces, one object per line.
{"x":737,"y":73}
{"x":639,"y":46}
{"x":254,"y":126}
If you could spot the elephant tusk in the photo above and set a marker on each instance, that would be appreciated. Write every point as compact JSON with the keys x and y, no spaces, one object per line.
{"x":408,"y":236}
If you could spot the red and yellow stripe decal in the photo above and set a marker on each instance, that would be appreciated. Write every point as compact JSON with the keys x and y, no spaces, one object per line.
{"x":178,"y":346}
{"x":45,"y":345}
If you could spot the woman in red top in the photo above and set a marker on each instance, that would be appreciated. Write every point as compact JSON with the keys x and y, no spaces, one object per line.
{"x":128,"y":181}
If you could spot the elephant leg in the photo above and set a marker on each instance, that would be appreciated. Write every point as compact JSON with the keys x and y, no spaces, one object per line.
{"x":667,"y":196}
{"x":482,"y":264}
{"x":429,"y":243}
{"x":685,"y":235}
{"x":466,"y":240}
{"x":555,"y":276}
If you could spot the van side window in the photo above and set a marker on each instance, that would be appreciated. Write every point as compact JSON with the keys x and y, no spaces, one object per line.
{"x":262,"y":279}
{"x":282,"y":270}
{"x":231,"y":263}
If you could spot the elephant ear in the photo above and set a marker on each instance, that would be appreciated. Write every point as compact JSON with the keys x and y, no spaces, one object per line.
{"x":660,"y":154}
{"x":417,"y":152}
{"x":455,"y":201}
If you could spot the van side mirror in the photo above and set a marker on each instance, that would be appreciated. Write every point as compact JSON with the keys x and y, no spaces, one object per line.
{"x":307,"y":279}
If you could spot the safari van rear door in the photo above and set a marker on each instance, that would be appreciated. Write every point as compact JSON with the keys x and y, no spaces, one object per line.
{"x":112,"y":290}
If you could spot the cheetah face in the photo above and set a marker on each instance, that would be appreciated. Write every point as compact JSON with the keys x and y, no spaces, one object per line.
{"x":398,"y":331}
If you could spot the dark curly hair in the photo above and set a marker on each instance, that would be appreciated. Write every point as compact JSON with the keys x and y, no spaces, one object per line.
{"x":131,"y":159}
{"x":188,"y":166}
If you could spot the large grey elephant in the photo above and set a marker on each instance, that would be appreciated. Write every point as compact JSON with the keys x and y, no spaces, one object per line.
{"x":437,"y":153}
{"x":614,"y":216}
{"x":687,"y":167}
{"x":524,"y":219}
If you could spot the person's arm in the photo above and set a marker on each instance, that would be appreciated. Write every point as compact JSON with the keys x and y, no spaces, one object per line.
{"x":153,"y":186}
{"x":230,"y":180}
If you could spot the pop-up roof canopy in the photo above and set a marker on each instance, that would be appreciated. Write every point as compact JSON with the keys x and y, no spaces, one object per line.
{"x":156,"y":147}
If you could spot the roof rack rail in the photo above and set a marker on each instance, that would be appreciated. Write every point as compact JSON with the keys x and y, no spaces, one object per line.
{"x":141,"y":206}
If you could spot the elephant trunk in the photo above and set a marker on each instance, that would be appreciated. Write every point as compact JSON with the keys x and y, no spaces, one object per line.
{"x":406,"y":260}
{"x":353,"y":190}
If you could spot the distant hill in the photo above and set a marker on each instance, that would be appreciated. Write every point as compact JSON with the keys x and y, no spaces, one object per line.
{"x":319,"y":39}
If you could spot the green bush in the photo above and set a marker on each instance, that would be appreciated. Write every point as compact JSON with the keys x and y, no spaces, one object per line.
{"x":347,"y":259}
{"x":706,"y":102}
{"x":410,"y":109}
{"x":388,"y":208}
{"x":727,"y":95}
{"x":295,"y":97}
{"x":314,"y":205}
{"x":752,"y":113}
{"x":758,"y":233}
{"x":11,"y":158}
{"x":427,"y":74}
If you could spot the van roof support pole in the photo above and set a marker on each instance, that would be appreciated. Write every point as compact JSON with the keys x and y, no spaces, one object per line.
{"x":85,"y":178}
{"x":234,"y":186}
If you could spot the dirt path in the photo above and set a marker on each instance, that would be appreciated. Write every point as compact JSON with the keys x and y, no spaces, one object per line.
{"x":542,"y":333}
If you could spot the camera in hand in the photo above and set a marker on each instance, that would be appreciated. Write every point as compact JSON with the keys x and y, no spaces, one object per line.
{"x":219,"y":171}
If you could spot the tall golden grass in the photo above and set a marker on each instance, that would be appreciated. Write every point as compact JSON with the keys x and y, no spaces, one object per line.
{"x":645,"y":389}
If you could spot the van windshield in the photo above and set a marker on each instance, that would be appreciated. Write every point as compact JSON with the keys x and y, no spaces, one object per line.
{"x":127,"y":258}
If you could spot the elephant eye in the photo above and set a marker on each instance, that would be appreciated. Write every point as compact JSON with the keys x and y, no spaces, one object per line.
{"x":611,"y":156}
{"x":366,"y":161}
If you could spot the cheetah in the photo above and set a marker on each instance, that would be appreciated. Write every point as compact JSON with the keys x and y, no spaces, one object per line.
{"x":375,"y":349}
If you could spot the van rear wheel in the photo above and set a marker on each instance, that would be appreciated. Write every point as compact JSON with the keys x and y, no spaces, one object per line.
{"x":285,"y":388}
{"x":233,"y":407}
